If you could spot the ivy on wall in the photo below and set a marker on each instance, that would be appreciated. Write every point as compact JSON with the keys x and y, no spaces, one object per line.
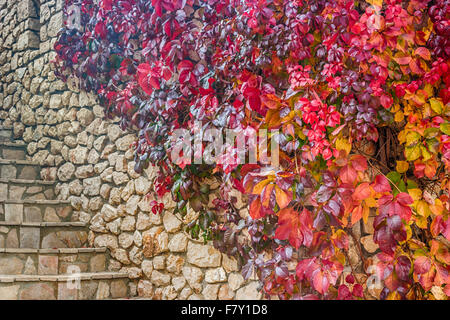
{"x":359,"y":93}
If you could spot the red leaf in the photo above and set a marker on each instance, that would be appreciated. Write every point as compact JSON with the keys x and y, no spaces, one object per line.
{"x":381,"y":184}
{"x":422,"y":265}
{"x":358,"y":290}
{"x":294,"y":226}
{"x":185,"y":65}
{"x":359,"y":163}
{"x":348,"y":174}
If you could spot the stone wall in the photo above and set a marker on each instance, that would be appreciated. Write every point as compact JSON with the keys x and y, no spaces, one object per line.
{"x":92,"y":162}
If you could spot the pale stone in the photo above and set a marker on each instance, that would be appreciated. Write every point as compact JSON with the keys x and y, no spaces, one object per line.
{"x":118,"y":289}
{"x":133,"y":272}
{"x":9,"y":292}
{"x":66,"y":292}
{"x":114,"y":132}
{"x":114,"y":226}
{"x":225,"y":293}
{"x":145,"y":289}
{"x":135,"y":255}
{"x":85,"y":117}
{"x":106,"y":240}
{"x":125,"y":142}
{"x":137,"y":238}
{"x":104,"y":191}
{"x":215,"y":275}
{"x":97,"y":263}
{"x":178,"y":243}
{"x":369,"y":244}
{"x":109,"y":212}
{"x":169,"y":293}
{"x":132,"y":205}
{"x":12,"y":240}
{"x":210,"y":291}
{"x":122,"y":256}
{"x":120,"y":178}
{"x":102,"y":291}
{"x":185,"y":293}
{"x":174,"y":263}
{"x":11,"y":265}
{"x":159,"y":262}
{"x":91,"y":186}
{"x":66,"y":171}
{"x":160,"y":279}
{"x":128,"y":223}
{"x":48,"y":265}
{"x":193,"y":276}
{"x":38,"y":291}
{"x":83,"y":172}
{"x":142,"y":185}
{"x":147,"y":268}
{"x":235,"y":280}
{"x":97,"y":223}
{"x":78,"y":155}
{"x":178,"y":283}
{"x":250,"y":292}
{"x":203,"y":256}
{"x":171,"y":223}
{"x":93,"y":157}
{"x":125,"y":240}
{"x":230,"y":264}
{"x":75,"y":187}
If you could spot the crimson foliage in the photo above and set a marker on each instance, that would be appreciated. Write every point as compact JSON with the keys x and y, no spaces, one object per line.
{"x":340,"y":79}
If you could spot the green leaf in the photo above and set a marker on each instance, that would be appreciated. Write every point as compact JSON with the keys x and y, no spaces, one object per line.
{"x":412,"y":153}
{"x":445,"y":128}
{"x":412,"y":138}
{"x":436,"y":105}
{"x":411,"y":184}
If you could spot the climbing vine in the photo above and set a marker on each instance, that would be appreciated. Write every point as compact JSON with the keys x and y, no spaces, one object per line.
{"x":359,"y":93}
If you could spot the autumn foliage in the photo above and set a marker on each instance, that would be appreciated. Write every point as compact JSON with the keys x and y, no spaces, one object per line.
{"x":359,"y":91}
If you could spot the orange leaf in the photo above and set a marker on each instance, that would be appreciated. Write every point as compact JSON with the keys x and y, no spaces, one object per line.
{"x":424,"y":53}
{"x":282,"y":198}
{"x":358,"y":213}
{"x":362,"y":192}
{"x":260,"y":186}
{"x":255,"y":209}
{"x":265,"y":196}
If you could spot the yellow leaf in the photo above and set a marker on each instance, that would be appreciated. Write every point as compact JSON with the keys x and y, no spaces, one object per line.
{"x":394,"y":296}
{"x":371,"y":202}
{"x":421,"y":222}
{"x":437,"y":208}
{"x":399,"y":116}
{"x":343,"y":144}
{"x":416,"y":194}
{"x":423,"y":209}
{"x":402,"y":136}
{"x":436,"y":105}
{"x":402,"y":166}
{"x":412,"y":153}
{"x":378,"y":3}
{"x":412,"y":138}
{"x":408,"y":233}
{"x":365,"y":215}
{"x":425,"y":153}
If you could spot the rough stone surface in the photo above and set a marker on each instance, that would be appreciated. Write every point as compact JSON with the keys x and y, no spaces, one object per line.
{"x":203,"y":256}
